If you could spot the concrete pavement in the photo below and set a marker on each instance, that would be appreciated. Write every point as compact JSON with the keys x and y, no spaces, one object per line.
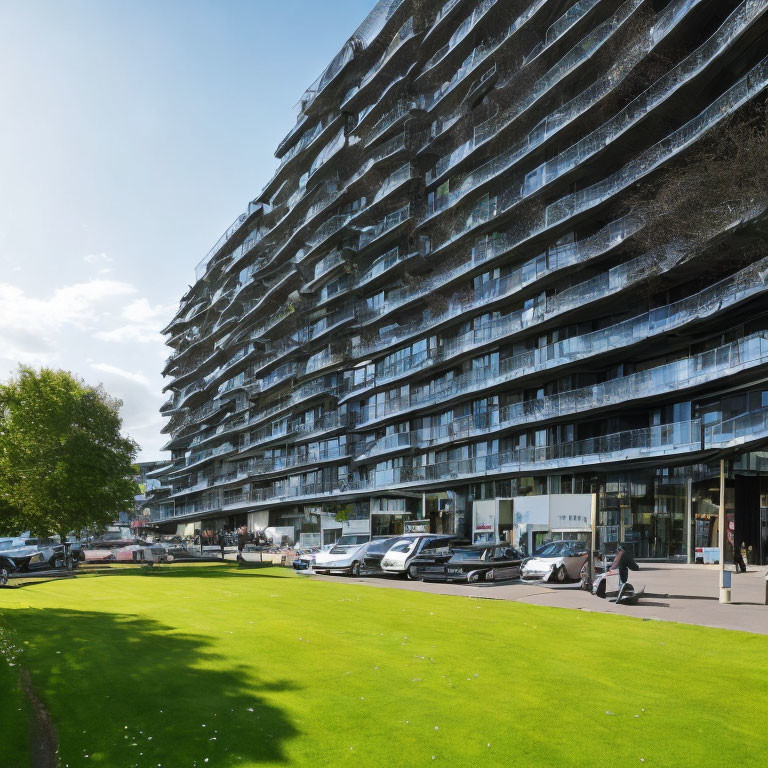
{"x":682,"y":593}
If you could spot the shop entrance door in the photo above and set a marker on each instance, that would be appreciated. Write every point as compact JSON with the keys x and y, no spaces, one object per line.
{"x":747,"y":517}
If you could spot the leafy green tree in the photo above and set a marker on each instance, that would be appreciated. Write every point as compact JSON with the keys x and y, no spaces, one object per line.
{"x":64,"y":465}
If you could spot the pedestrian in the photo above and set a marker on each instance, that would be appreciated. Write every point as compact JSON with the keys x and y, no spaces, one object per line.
{"x":624,"y":562}
{"x":241,"y":539}
{"x":221,"y":544}
{"x":738,"y":560}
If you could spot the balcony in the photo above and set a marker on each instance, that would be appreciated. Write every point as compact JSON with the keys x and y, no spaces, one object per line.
{"x":395,"y":116}
{"x":744,"y":90}
{"x":701,"y":369}
{"x":391,"y":221}
{"x":595,"y":142}
{"x":564,"y":115}
{"x":487,"y":249}
{"x":748,"y":283}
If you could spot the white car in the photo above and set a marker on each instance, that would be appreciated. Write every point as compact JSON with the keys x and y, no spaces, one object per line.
{"x":556,"y":561}
{"x":398,"y":557}
{"x":345,"y":555}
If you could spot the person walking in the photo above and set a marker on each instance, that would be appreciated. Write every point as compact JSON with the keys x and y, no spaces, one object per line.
{"x":221,"y":544}
{"x":623,"y":563}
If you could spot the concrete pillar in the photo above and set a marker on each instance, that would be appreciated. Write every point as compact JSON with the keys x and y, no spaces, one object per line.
{"x":689,"y":521}
{"x":592,"y":537}
{"x":725,"y":592}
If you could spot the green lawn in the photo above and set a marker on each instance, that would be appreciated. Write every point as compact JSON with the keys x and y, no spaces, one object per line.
{"x":206,"y":666}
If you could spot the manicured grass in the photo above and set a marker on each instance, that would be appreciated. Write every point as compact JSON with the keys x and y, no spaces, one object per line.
{"x":184,"y":663}
{"x":14,"y":738}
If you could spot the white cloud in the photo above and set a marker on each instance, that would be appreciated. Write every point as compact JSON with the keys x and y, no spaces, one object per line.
{"x":98,"y":258}
{"x":77,"y":327}
{"x":143,"y":325}
{"x":135,"y":376}
{"x":38,"y":321}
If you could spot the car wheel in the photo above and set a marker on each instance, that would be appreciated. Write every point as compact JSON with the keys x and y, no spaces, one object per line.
{"x":56,"y":562}
{"x":355,"y":569}
{"x":560,"y":574}
{"x":3,"y":577}
{"x":413,"y":574}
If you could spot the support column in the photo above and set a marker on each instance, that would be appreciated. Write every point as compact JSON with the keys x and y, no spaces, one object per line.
{"x":592,"y":537}
{"x":725,"y":592}
{"x":423,"y":505}
{"x":689,"y":521}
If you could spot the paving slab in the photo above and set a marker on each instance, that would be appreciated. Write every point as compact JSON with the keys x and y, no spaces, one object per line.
{"x":684,"y":593}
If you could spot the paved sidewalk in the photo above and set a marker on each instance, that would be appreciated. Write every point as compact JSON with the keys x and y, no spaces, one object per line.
{"x":683,"y":593}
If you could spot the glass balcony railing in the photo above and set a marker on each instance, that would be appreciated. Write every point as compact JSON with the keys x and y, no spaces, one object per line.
{"x":665,"y":440}
{"x":404,"y":34}
{"x":680,"y":375}
{"x":557,"y":258}
{"x":461,"y":32}
{"x":388,"y":223}
{"x":441,"y":14}
{"x":745,"y":284}
{"x":595,"y":142}
{"x":745,"y":89}
{"x":327,"y":263}
{"x":387,"y":120}
{"x":739,"y":430}
{"x":565,"y":114}
{"x":381,"y":265}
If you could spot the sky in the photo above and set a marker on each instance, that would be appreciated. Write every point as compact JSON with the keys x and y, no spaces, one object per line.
{"x":132,"y":133}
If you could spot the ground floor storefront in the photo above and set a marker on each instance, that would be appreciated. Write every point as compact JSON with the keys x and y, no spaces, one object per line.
{"x":664,"y":513}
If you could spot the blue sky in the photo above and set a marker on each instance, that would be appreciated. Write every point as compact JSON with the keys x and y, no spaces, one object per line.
{"x":133,"y":133}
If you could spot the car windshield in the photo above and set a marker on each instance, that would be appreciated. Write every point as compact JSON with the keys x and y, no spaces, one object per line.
{"x":468,"y":554}
{"x":384,"y":545}
{"x":555,"y":549}
{"x":346,"y":543}
{"x":505,"y":553}
{"x":403,"y":546}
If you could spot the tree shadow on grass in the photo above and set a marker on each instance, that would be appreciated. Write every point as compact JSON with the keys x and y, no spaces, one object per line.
{"x":128,"y":691}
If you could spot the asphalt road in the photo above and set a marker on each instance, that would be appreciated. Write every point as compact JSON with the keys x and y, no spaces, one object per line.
{"x":683,"y":593}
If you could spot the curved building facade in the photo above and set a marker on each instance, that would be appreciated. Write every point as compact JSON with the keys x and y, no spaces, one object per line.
{"x":512,"y":247}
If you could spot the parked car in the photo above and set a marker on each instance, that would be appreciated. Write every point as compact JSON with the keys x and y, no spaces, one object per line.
{"x":399,"y":556}
{"x":374,"y":554}
{"x":7,"y":566}
{"x":557,"y":561}
{"x":305,"y":559}
{"x":346,"y":555}
{"x":437,"y":555}
{"x":29,"y":554}
{"x":483,"y":562}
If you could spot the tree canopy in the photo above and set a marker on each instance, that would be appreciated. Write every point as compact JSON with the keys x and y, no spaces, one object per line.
{"x":64,"y":464}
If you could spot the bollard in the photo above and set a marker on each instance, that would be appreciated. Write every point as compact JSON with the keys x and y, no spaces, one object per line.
{"x":766,"y":588}
{"x":725,"y":590}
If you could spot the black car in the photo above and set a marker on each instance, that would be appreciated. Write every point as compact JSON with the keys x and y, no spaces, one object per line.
{"x":438,"y":554}
{"x":485,"y":562}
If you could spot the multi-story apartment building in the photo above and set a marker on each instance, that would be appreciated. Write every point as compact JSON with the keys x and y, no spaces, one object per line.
{"x":511,"y":247}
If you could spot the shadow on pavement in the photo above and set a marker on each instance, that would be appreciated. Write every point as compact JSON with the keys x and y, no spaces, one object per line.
{"x":126,"y":690}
